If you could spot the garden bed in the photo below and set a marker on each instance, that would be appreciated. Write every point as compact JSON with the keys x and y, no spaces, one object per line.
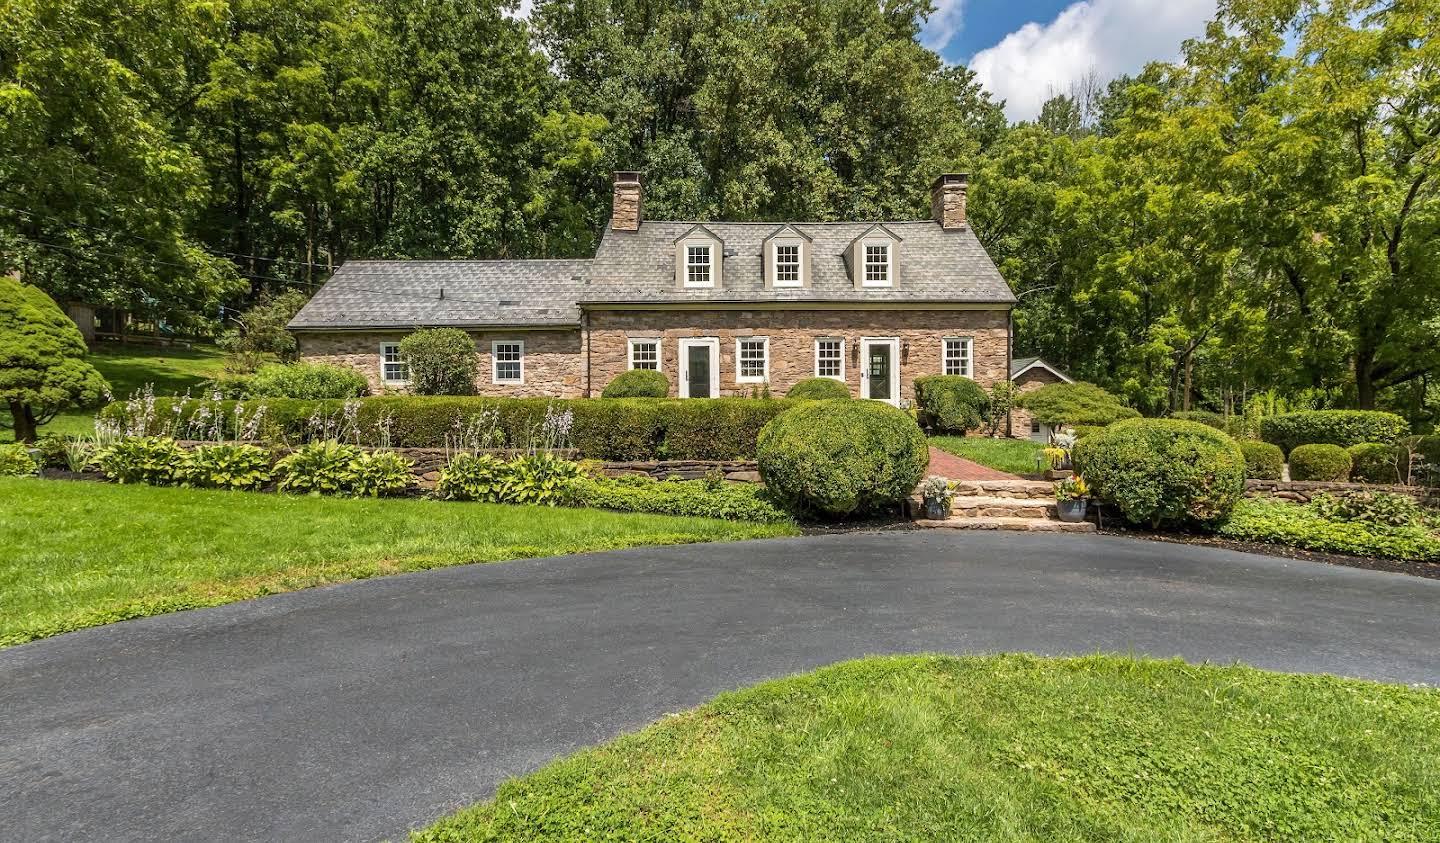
{"x":1429,"y":570}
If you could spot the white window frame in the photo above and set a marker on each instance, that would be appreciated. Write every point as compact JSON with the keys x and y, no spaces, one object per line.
{"x":841,"y":340}
{"x":865,"y":247}
{"x":709,"y":248}
{"x":632,"y":342}
{"x":399,"y":361}
{"x":969,"y":358}
{"x":799,"y":264}
{"x":740,"y":376}
{"x":495,"y":362}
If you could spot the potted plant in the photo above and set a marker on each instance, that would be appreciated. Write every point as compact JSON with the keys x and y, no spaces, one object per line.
{"x":1071,"y":495}
{"x":936,"y":494}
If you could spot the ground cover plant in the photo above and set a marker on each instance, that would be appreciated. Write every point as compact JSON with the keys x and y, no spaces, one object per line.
{"x":1001,"y":748}
{"x":1329,"y":526}
{"x":85,"y":554}
{"x":1014,"y":456}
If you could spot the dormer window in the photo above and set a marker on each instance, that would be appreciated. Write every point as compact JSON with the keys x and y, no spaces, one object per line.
{"x":698,"y":265}
{"x":787,"y":265}
{"x":877,"y":264}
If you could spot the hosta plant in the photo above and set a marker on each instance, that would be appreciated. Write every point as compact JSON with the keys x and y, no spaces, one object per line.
{"x":381,"y":473}
{"x":540,"y":479}
{"x":226,"y":467}
{"x":141,"y":459}
{"x":326,"y":467}
{"x":473,"y":477}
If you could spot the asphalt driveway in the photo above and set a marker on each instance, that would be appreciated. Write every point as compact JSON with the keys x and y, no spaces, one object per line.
{"x":354,"y":712}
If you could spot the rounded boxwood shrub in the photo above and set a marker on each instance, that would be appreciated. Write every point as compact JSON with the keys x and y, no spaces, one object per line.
{"x":1376,"y":462}
{"x":819,"y":389}
{"x":1204,"y":417}
{"x":1320,"y":462}
{"x":1162,"y":471}
{"x":839,"y":458}
{"x":1332,"y":427}
{"x":638,"y":383}
{"x":1263,"y":461}
{"x":951,"y":403}
{"x":442,"y":361}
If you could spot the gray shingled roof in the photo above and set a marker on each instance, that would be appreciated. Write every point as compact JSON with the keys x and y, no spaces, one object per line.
{"x":935,"y":265}
{"x":477,"y":294}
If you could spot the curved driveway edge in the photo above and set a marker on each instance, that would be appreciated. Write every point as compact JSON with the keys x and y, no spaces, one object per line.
{"x":356,"y":711}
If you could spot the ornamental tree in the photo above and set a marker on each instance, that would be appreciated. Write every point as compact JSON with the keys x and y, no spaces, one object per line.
{"x":42,"y":359}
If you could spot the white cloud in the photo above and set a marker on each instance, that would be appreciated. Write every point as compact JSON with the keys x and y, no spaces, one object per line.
{"x":521,"y":10}
{"x":944,"y":24}
{"x":1110,"y":37}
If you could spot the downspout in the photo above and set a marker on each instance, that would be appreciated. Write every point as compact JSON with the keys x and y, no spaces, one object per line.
{"x":587,"y":353}
{"x":1009,"y":361}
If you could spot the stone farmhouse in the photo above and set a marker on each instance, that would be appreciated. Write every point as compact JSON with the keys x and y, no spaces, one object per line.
{"x":722,"y":308}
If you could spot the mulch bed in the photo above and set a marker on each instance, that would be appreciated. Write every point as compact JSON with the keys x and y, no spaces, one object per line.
{"x":1430,"y":570}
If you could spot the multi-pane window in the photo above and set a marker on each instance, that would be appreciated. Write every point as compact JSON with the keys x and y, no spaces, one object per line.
{"x":509,"y":361}
{"x":645,"y":354}
{"x":753,"y":359}
{"x":877,"y":264}
{"x":393,"y":368}
{"x":787,"y":264}
{"x":830,"y":358}
{"x":697,"y":266}
{"x":957,"y":356}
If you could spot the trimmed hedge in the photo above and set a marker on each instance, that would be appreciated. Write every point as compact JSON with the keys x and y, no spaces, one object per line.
{"x":306,"y":380}
{"x":638,"y":383}
{"x":1263,"y":461}
{"x":602,"y":428}
{"x":951,"y":403}
{"x":818,"y":389}
{"x":1332,"y":427}
{"x":1374,"y":462}
{"x":838,"y":458}
{"x":1330,"y":463}
{"x":1162,"y":471}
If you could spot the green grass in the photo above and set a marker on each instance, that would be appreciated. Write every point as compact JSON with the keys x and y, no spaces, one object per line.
{"x":1016,"y":456}
{"x":1004,"y":748}
{"x":128,"y":368}
{"x":82,"y":554}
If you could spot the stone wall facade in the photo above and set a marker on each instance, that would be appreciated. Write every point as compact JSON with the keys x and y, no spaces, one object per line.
{"x":792,"y":335}
{"x":552,"y":362}
{"x":1306,"y":490}
{"x":556,"y":363}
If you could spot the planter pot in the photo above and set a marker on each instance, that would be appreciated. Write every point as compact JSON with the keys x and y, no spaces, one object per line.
{"x":1071,"y":511}
{"x":936,"y":510}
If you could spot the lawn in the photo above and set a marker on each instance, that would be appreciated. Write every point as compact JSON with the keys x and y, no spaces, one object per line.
{"x":1001,"y":748}
{"x":82,"y":554}
{"x":128,"y":368}
{"x":1015,"y":456}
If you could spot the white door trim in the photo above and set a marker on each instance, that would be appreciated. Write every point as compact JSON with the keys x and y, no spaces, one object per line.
{"x":894,"y":343}
{"x":713,"y":343}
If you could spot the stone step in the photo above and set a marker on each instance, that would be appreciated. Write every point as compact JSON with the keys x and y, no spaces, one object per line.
{"x":998,"y":507}
{"x":1028,"y":525}
{"x":1005,"y":489}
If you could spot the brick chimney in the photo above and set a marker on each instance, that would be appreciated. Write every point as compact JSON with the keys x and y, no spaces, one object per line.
{"x":947,"y":200}
{"x":625,"y":213}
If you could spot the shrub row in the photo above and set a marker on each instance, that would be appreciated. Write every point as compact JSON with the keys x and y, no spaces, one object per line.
{"x":1332,"y":427}
{"x":602,"y":428}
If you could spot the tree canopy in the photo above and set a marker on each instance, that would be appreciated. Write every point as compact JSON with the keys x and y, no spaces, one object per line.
{"x":1254,"y":225}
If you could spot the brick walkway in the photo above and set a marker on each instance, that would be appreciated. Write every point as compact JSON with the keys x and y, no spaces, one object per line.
{"x":951,"y":467}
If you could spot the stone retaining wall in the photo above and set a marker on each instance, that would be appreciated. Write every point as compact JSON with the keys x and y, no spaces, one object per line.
{"x":1305,"y":491}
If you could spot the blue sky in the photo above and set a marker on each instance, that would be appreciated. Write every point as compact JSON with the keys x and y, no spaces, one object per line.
{"x":1022,"y":50}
